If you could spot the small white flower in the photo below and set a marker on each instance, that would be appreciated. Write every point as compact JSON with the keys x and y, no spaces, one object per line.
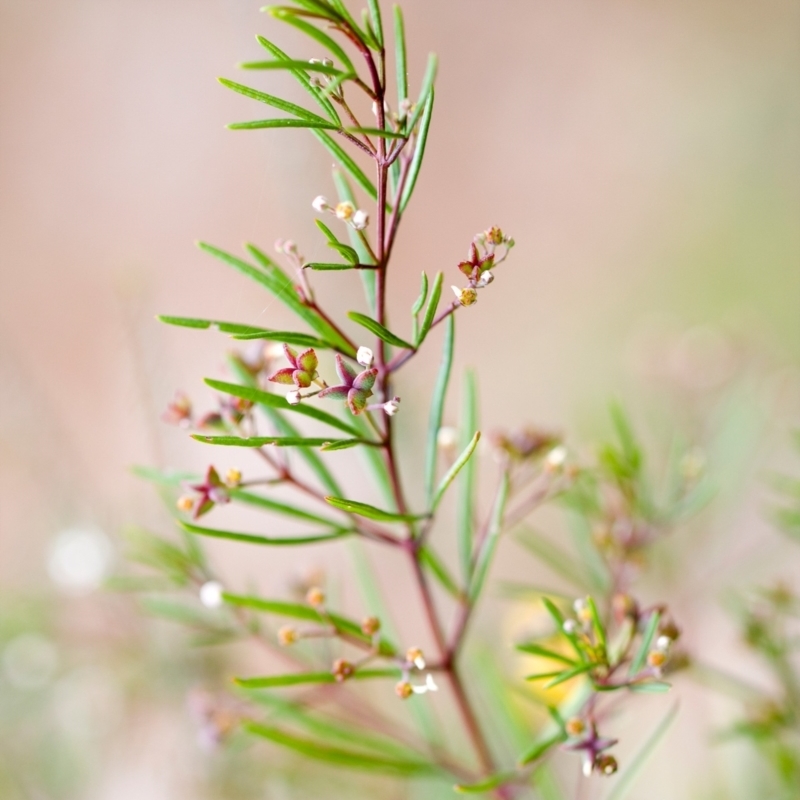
{"x":579,"y":605}
{"x":360,"y":220}
{"x":345,"y":210}
{"x":289,"y":247}
{"x":485,"y":280}
{"x":294,"y":397}
{"x":211,"y":594}
{"x":556,"y":457}
{"x":320,"y":204}
{"x":391,"y":407}
{"x":663,"y":643}
{"x":365,"y":357}
{"x":569,"y":626}
{"x":447,"y":437}
{"x":428,"y":686}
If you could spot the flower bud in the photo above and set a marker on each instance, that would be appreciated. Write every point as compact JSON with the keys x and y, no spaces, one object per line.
{"x":233,"y":477}
{"x":403,"y":690}
{"x":446,"y":438}
{"x":320,"y":204}
{"x":185,"y":503}
{"x":315,"y":597}
{"x":575,"y":726}
{"x":370,"y":626}
{"x":345,"y":210}
{"x":360,"y":220}
{"x":391,"y":407}
{"x":467,"y":296}
{"x":606,"y":764}
{"x":414,"y":656}
{"x":294,"y":397}
{"x":342,"y":670}
{"x":211,"y":594}
{"x":555,"y":459}
{"x":494,"y":235}
{"x":485,"y":279}
{"x":365,"y":357}
{"x":287,"y":635}
{"x":569,"y":626}
{"x":656,"y":658}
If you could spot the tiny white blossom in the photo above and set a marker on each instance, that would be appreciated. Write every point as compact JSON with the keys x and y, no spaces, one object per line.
{"x":428,"y":686}
{"x":345,"y":210}
{"x":211,"y":594}
{"x":569,"y":626}
{"x":663,"y":643}
{"x":486,"y":279}
{"x":447,"y":437}
{"x":360,"y":220}
{"x":579,"y":605}
{"x":293,"y":398}
{"x":556,"y":457}
{"x":320,"y":203}
{"x":365,"y":357}
{"x":391,"y":407}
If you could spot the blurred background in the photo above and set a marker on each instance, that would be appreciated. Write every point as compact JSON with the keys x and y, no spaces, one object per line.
{"x":646,"y":158}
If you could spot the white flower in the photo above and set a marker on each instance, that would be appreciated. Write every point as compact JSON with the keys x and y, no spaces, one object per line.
{"x":365,"y":357}
{"x":345,"y":210}
{"x":447,"y":438}
{"x":360,"y":220}
{"x":293,"y":398}
{"x":391,"y":407}
{"x":556,"y":457}
{"x":211,"y":594}
{"x":320,"y":204}
{"x":485,"y":279}
{"x":663,"y":643}
{"x":428,"y":686}
{"x":569,"y":626}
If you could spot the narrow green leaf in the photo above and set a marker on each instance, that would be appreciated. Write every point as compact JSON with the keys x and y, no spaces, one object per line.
{"x":423,"y":295}
{"x":285,"y":337}
{"x":367,"y":276}
{"x":341,"y":8}
{"x":650,"y":687}
{"x":538,"y":650}
{"x":400,"y":55}
{"x":597,"y":623}
{"x":346,"y":444}
{"x":429,"y":559}
{"x":275,"y":102}
{"x":259,"y":124}
{"x":379,"y":330}
{"x":315,"y":33}
{"x":319,"y":7}
{"x":370,"y":512}
{"x":294,"y":679}
{"x":647,"y":639}
{"x":384,"y":134}
{"x":437,"y":403}
{"x":348,"y":252}
{"x":299,"y":611}
{"x":375,"y":19}
{"x":467,"y":482}
{"x":626,"y":779}
{"x":427,"y":86}
{"x":458,"y":465}
{"x":321,"y":751}
{"x":483,"y":558}
{"x":278,"y":441}
{"x":569,"y":674}
{"x":419,"y":152}
{"x":540,"y":748}
{"x":486,"y":785}
{"x":347,"y":163}
{"x":239,"y":331}
{"x":559,"y":619}
{"x":305,"y":66}
{"x":281,"y":285}
{"x":279,"y":541}
{"x":430,"y":311}
{"x":254,"y":499}
{"x":303,"y":80}
{"x":328,"y":267}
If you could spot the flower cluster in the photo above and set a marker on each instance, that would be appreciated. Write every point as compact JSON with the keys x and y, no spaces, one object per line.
{"x":482,"y":256}
{"x":345,"y":211}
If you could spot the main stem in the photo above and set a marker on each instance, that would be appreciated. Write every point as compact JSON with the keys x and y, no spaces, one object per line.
{"x":384,"y":248}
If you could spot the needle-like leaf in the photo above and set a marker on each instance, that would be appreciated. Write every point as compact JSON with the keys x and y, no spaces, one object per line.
{"x":458,"y":465}
{"x":297,"y":678}
{"x":483,"y":558}
{"x":275,"y":102}
{"x":260,"y":124}
{"x":379,"y":330}
{"x":315,"y":33}
{"x":370,"y":512}
{"x":647,"y":639}
{"x":430,"y":311}
{"x":277,"y":441}
{"x":467,"y":481}
{"x":437,"y":403}
{"x":419,"y":152}
{"x":239,"y":331}
{"x":279,"y":541}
